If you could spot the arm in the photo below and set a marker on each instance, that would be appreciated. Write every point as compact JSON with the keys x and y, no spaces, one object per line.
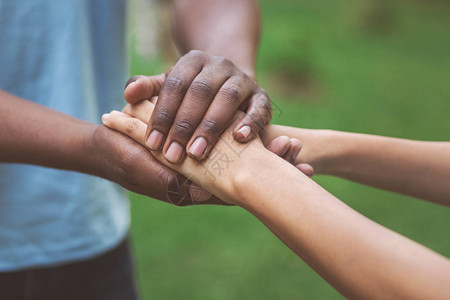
{"x":228,"y":28}
{"x":415,"y":168}
{"x":358,"y":257}
{"x":33,"y":134}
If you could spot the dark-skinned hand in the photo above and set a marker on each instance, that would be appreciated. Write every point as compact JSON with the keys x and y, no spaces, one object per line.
{"x":198,"y":99}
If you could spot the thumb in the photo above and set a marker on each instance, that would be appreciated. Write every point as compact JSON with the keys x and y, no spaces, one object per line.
{"x":142,"y":87}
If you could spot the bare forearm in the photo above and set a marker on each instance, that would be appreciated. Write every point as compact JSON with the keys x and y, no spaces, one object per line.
{"x":228,"y":28}
{"x":33,"y":134}
{"x":415,"y":168}
{"x":357,"y":256}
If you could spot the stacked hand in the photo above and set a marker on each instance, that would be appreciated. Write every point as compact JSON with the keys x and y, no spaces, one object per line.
{"x":215,"y":171}
{"x":197,"y":100}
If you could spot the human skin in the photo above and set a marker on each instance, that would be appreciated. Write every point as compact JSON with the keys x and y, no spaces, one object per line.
{"x":201,"y":93}
{"x":360,"y":258}
{"x":416,"y":168}
{"x":33,"y":134}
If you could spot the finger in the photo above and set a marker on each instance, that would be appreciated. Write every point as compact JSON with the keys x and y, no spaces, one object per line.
{"x":180,"y":191}
{"x":132,"y":127}
{"x":170,"y":97}
{"x":279,"y":145}
{"x":259,"y":114}
{"x":293,"y":151}
{"x":306,"y":169}
{"x":296,"y":147}
{"x":194,"y":106}
{"x":218,"y":117}
{"x":141,"y":87}
{"x":141,"y":110}
{"x":153,"y":99}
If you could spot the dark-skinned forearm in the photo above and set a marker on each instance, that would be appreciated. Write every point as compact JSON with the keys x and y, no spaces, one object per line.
{"x":228,"y":28}
{"x":34,"y":134}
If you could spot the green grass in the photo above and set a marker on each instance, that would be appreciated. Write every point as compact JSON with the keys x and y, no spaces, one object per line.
{"x":389,"y":78}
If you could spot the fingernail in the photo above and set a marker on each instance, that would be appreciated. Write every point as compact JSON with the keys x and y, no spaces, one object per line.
{"x":295,"y":153}
{"x":174,"y":152}
{"x":198,"y":147}
{"x":105,"y":117}
{"x":154,"y":140}
{"x":130,"y":85}
{"x":285,"y":150}
{"x":245,"y":131}
{"x":131,"y":81}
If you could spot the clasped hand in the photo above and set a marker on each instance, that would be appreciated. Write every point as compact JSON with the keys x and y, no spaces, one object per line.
{"x":216,"y":173}
{"x":197,"y":100}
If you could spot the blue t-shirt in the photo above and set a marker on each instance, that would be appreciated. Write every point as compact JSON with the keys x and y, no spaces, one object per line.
{"x":71,"y":56}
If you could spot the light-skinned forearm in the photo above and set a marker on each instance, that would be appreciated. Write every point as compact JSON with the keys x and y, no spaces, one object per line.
{"x":34,"y":134}
{"x":228,"y":28}
{"x":415,"y":168}
{"x":358,"y":257}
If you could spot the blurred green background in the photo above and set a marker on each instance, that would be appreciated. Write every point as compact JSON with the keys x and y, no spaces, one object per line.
{"x":372,"y":66}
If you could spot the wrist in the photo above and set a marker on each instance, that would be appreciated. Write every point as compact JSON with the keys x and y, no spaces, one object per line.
{"x":252,"y":171}
{"x":95,"y":144}
{"x":224,"y":171}
{"x":322,"y":149}
{"x":331,"y":150}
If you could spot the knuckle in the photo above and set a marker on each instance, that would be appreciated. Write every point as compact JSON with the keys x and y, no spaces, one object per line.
{"x":239,"y":80}
{"x":231,"y":94}
{"x":132,"y":126}
{"x":202,"y":89}
{"x":127,"y":109}
{"x":183,"y":128}
{"x":161,"y":118}
{"x":211,"y":127}
{"x":223,"y":61}
{"x":175,"y":84}
{"x":246,"y":78}
{"x":264,"y":106}
{"x":254,"y":120}
{"x":196,"y":54}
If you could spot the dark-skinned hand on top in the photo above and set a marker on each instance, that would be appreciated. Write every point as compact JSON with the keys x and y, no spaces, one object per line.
{"x":198,"y":99}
